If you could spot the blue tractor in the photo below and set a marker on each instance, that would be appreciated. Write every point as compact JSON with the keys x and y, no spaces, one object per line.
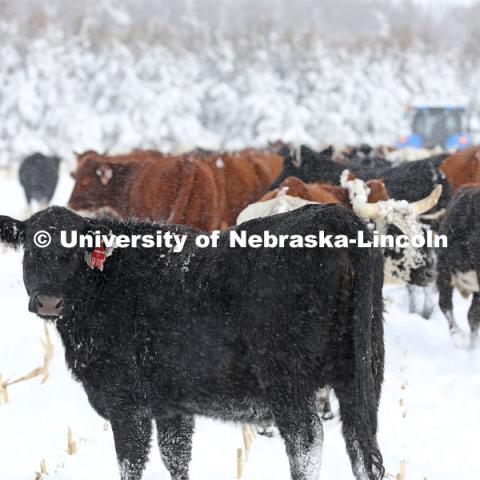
{"x":445,"y":126}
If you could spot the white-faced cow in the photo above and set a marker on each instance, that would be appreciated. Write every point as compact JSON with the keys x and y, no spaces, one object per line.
{"x":239,"y":334}
{"x":410,"y":181}
{"x":411,"y":265}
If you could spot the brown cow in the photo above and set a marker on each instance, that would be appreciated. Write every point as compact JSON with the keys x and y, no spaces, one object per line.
{"x":198,"y":190}
{"x":462,"y":167}
{"x":324,"y":192}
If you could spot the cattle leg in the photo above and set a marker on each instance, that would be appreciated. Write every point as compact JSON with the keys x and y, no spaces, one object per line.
{"x":28,"y":208}
{"x":132,"y":431}
{"x":445,"y":291}
{"x":359,"y":434}
{"x":175,"y":442}
{"x":412,"y":299}
{"x":302,"y":431}
{"x":428,"y":300}
{"x":428,"y":303}
{"x":474,"y":319}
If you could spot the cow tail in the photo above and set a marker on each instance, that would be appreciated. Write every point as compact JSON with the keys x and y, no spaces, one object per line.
{"x":368,"y":353}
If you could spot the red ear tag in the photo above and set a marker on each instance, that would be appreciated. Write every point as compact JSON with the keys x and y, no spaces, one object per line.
{"x":98,"y":256}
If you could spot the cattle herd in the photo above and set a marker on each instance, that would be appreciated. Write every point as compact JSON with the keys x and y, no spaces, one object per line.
{"x":254,"y":335}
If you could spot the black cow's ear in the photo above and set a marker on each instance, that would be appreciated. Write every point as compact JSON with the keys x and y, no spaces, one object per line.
{"x":12,"y":232}
{"x":308,"y":156}
{"x":328,"y":152}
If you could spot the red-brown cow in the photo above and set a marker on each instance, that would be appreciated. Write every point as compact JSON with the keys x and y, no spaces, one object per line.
{"x":462,"y":168}
{"x":202,"y":191}
{"x":324,"y":192}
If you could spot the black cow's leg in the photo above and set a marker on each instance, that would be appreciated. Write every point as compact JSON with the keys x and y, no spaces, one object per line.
{"x":412,"y":299}
{"x":445,"y":291}
{"x":474,"y":319}
{"x":427,"y":293}
{"x":428,"y":303}
{"x":132,"y":432}
{"x":29,"y":204}
{"x":359,"y":433}
{"x":175,"y":442}
{"x":302,"y":431}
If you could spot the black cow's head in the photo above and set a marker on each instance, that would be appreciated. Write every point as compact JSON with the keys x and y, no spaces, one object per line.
{"x":304,"y":164}
{"x":53,"y":275}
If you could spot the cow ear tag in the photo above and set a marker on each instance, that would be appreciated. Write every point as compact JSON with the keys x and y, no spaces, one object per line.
{"x":96,"y":259}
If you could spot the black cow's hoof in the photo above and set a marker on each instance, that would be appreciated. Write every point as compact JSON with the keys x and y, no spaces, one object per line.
{"x":268,"y":432}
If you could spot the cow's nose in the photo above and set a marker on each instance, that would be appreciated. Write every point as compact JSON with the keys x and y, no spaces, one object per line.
{"x":48,"y":305}
{"x":430,"y":274}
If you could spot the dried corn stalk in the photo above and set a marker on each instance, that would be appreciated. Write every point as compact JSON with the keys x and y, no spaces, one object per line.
{"x":40,"y":371}
{"x":239,"y":463}
{"x":3,"y":391}
{"x":71,"y":444}
{"x":248,"y":436}
{"x":401,"y":475}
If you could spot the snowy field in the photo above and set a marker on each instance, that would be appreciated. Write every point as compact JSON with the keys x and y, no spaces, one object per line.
{"x":429,"y":414}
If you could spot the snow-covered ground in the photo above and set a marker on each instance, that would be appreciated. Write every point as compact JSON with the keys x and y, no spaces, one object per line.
{"x":429,"y":414}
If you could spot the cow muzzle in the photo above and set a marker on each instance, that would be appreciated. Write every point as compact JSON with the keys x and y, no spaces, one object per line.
{"x":425,"y":276}
{"x":46,"y":305}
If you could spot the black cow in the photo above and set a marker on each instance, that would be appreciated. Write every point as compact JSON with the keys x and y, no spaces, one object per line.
{"x":364,"y":156}
{"x":38,"y":175}
{"x":414,"y":180}
{"x":311,"y":166}
{"x":245,"y":335}
{"x":459,"y":263}
{"x":409,"y":181}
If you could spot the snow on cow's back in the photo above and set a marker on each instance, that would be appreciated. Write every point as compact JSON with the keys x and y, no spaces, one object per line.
{"x":280,"y":204}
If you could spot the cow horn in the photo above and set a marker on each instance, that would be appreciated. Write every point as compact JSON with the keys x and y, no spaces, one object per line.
{"x":368,"y":210}
{"x":434,"y":216}
{"x":427,"y":203}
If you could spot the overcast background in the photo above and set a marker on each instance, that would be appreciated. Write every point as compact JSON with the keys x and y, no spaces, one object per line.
{"x":223,"y":73}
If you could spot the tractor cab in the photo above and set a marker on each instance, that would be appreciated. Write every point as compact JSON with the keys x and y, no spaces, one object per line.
{"x":444,"y":126}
